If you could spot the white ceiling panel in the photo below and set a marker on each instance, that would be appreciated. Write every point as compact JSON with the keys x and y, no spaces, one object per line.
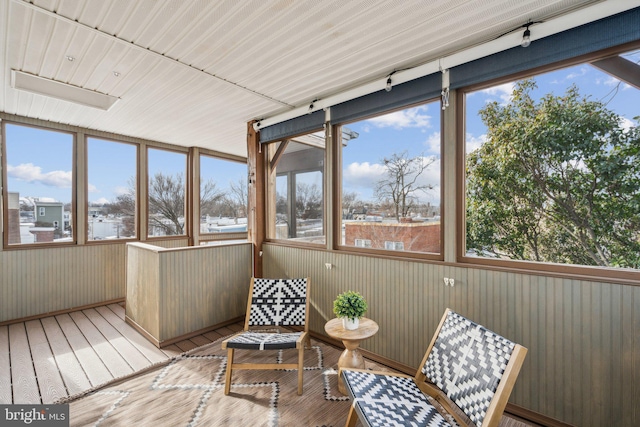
{"x":193,"y":72}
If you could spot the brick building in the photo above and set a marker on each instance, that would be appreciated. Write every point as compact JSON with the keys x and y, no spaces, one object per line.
{"x":403,"y":236}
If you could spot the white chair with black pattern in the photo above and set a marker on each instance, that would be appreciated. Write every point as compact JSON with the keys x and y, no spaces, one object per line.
{"x":272,"y":303}
{"x":466,"y":366}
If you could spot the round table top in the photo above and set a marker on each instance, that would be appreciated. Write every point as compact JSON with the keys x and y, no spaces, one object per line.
{"x":366,"y":329}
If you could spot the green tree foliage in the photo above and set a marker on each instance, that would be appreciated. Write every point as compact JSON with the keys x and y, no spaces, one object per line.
{"x":557,"y":180}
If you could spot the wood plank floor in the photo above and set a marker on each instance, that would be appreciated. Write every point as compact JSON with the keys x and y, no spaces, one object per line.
{"x":46,"y":359}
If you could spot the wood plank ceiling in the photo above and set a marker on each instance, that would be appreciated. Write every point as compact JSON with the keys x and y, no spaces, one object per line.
{"x":192,"y":73}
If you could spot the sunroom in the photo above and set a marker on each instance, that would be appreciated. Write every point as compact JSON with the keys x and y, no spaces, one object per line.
{"x":480,"y":156}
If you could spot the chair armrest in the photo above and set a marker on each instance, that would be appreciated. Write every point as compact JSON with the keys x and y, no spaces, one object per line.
{"x":387,"y":373}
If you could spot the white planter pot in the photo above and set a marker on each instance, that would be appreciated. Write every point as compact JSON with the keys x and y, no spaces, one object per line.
{"x":350,"y":324}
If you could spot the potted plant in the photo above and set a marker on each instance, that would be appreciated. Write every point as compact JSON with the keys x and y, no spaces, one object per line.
{"x":350,"y":306}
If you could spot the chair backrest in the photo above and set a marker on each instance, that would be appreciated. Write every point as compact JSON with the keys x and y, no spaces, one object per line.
{"x":278,"y":302}
{"x":473,"y":366}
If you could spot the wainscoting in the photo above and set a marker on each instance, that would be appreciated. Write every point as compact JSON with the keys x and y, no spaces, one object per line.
{"x":583,"y":337}
{"x":174,"y":292}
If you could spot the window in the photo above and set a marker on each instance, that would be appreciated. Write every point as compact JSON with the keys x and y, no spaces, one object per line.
{"x":166,"y":192}
{"x":39,"y":185}
{"x":390,"y":186}
{"x":112,"y":191}
{"x":223,"y":195}
{"x":297,"y":198}
{"x":363,"y":243}
{"x":394,"y":246}
{"x":553,"y":168}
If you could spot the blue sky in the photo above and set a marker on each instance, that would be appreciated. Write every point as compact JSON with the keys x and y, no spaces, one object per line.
{"x":417,"y":130}
{"x":39,"y":162}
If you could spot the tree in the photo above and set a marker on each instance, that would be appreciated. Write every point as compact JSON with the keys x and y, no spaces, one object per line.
{"x":556,"y":181}
{"x":124,"y":207}
{"x":166,"y":203}
{"x":210,"y":197}
{"x":351,"y":204}
{"x":400,"y":185}
{"x":308,"y":201}
{"x":238,"y":197}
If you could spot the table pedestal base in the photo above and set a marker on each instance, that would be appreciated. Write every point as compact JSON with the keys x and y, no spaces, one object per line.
{"x":350,"y":358}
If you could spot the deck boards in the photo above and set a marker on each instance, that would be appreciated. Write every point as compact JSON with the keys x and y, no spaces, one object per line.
{"x":89,"y":362}
{"x":5,"y":366}
{"x":50,"y":358}
{"x":71,"y":371}
{"x":151,"y":352}
{"x":186,"y":345}
{"x":53,"y":357}
{"x":131,"y":356}
{"x":50,"y":382}
{"x":23,"y":377}
{"x":114,"y":362}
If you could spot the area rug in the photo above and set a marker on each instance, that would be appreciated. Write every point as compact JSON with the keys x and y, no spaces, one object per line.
{"x":189,"y":391}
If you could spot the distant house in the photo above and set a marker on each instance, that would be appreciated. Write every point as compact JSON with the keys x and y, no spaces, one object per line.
{"x":49,"y":214}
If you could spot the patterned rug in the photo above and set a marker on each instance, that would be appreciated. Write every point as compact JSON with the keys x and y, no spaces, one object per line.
{"x":189,"y":391}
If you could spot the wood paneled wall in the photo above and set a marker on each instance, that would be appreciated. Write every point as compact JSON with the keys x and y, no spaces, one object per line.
{"x":39,"y":281}
{"x":583,"y":337}
{"x":175,"y":292}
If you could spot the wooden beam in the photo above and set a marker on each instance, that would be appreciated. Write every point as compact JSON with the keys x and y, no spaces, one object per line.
{"x":620,"y":68}
{"x":279,"y":152}
{"x":257,"y":200}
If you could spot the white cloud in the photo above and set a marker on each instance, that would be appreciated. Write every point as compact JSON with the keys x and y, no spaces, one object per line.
{"x":474,"y":142}
{"x":433,"y":143}
{"x":409,"y":118}
{"x":92,"y":188}
{"x":366,"y":175}
{"x":101,"y":201}
{"x":362,"y":175}
{"x":431,"y":176}
{"x":504,"y":92}
{"x":613,"y":82}
{"x":30,"y":173}
{"x":626,"y":124}
{"x":581,"y":72}
{"x":119,"y":190}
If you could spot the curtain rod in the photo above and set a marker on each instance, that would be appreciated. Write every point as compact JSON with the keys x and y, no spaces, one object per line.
{"x":513,"y":39}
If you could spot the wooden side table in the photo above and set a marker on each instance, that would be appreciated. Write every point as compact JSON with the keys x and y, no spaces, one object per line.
{"x":350,"y":357}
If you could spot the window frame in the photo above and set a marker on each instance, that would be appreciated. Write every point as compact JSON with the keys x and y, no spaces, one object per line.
{"x":607,"y":274}
{"x":228,"y":235}
{"x":270,"y":182}
{"x":188,"y":179}
{"x":337,"y":190}
{"x":86,"y":195}
{"x":5,"y":188}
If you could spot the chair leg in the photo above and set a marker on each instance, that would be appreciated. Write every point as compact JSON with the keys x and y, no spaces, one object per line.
{"x":352,"y":419}
{"x":300,"y":369}
{"x":227,"y":380}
